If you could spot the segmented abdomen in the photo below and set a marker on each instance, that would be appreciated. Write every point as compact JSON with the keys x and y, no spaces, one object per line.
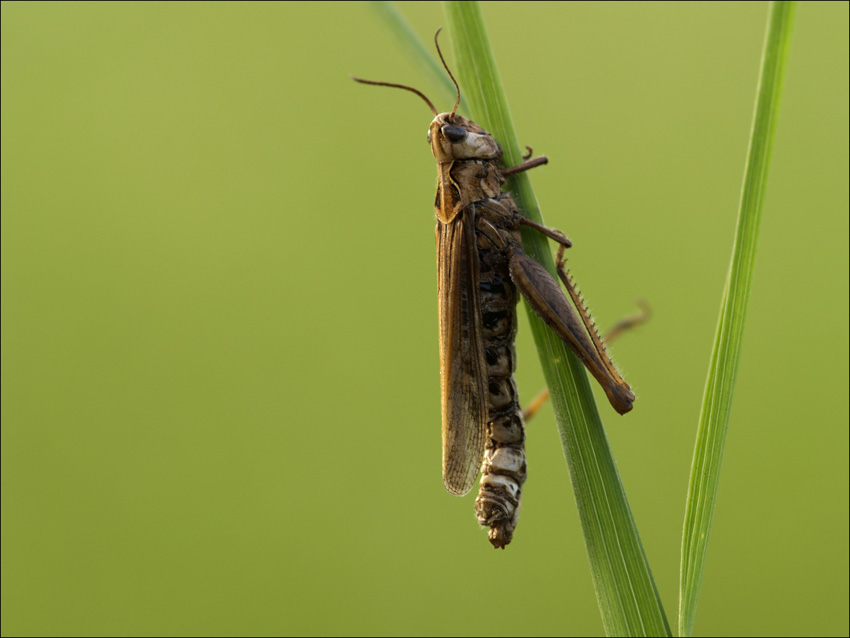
{"x":504,"y":466}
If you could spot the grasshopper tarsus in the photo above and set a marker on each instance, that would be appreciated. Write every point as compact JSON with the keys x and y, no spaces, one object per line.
{"x":529,"y":153}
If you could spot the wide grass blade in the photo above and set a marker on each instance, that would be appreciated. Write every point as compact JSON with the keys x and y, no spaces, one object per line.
{"x":723,"y":368}
{"x":625,"y":590}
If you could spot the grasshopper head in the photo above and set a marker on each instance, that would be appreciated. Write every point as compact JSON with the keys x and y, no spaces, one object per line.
{"x":453,"y":137}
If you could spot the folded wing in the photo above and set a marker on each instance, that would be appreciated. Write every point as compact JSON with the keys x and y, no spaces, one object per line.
{"x":463,"y":368}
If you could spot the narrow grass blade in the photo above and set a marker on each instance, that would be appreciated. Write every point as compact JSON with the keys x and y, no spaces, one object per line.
{"x":723,"y":368}
{"x":625,"y":590}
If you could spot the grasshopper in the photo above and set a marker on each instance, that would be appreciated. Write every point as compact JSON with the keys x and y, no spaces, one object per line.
{"x":481,"y":270}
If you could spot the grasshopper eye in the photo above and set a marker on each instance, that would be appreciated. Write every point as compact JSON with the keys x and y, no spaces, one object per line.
{"x":453,"y":134}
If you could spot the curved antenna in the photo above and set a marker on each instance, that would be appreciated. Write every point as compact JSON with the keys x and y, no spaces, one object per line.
{"x":446,"y":67}
{"x":401,"y":86}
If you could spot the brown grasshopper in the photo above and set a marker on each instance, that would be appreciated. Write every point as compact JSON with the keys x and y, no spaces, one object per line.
{"x":480,"y":267}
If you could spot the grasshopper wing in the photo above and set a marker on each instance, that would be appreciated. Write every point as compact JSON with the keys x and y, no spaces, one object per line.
{"x":463,"y":367}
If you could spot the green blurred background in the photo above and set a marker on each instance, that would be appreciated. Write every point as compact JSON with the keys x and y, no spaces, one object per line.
{"x":220,"y":399}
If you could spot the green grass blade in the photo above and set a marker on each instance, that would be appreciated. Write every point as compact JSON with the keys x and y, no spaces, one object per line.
{"x":625,"y":590}
{"x":723,"y":369}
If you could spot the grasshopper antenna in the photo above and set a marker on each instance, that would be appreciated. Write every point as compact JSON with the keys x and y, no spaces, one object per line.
{"x":399,"y":86}
{"x":446,"y":67}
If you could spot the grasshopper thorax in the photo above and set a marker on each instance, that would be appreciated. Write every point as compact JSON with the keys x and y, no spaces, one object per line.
{"x":453,"y":137}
